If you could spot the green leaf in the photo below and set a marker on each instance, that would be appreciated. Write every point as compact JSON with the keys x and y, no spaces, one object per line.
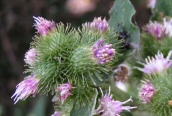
{"x":120,"y":19}
{"x":86,"y":110}
{"x":162,"y":8}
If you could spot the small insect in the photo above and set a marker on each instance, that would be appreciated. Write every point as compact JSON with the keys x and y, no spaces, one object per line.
{"x":124,"y":35}
{"x":121,"y":74}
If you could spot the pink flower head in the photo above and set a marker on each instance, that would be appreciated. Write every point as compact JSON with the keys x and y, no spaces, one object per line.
{"x":146,"y":92}
{"x":105,"y":99}
{"x":157,"y":64}
{"x":57,"y":113}
{"x":43,"y":26}
{"x":156,"y":30}
{"x":151,"y":4}
{"x":110,"y":107}
{"x":65,"y":91}
{"x":98,"y":24}
{"x":30,"y":56}
{"x":103,"y":53}
{"x":26,"y":88}
{"x":168,"y":27}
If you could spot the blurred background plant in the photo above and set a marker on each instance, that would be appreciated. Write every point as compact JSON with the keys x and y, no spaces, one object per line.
{"x":16,"y":21}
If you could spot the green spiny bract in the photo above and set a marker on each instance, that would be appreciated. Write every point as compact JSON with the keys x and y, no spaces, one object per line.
{"x":150,"y":45}
{"x":83,"y":64}
{"x":65,"y":55}
{"x":162,"y":82}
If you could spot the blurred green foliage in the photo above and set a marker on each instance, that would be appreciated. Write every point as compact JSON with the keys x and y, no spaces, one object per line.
{"x":162,"y":9}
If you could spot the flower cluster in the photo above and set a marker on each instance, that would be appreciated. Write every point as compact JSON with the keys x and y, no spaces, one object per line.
{"x":30,"y":56}
{"x":40,"y":65}
{"x":43,"y":26}
{"x":157,"y":64}
{"x":156,"y":30}
{"x":26,"y":88}
{"x":110,"y":107}
{"x":146,"y":92}
{"x":104,"y":53}
{"x":98,"y":24}
{"x":65,"y":91}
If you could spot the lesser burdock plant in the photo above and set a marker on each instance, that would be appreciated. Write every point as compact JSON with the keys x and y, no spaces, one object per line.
{"x":79,"y":66}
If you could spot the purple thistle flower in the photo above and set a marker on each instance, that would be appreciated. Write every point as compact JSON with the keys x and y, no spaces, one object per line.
{"x":157,"y":64}
{"x":43,"y":26}
{"x":168,"y":27}
{"x":98,"y":24}
{"x":146,"y":92}
{"x":57,"y":113}
{"x":65,"y":91}
{"x":110,"y":107}
{"x":30,"y":56}
{"x":103,"y":53}
{"x":156,"y":30}
{"x":25,"y":88}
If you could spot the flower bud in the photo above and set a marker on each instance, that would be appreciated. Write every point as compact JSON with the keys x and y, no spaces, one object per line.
{"x":30,"y":56}
{"x":27,"y":87}
{"x":146,"y":92}
{"x":98,"y":24}
{"x":65,"y":91}
{"x":156,"y":30}
{"x":43,"y":26}
{"x":103,"y":53}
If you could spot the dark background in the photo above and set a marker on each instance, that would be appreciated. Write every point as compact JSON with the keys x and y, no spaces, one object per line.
{"x":16,"y":32}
